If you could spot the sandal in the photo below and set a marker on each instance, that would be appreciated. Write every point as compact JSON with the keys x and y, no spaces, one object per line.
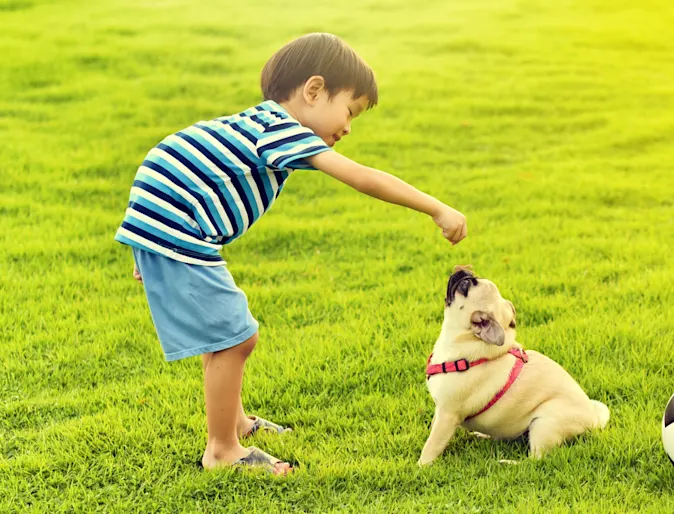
{"x":258,"y":458}
{"x":262,"y":425}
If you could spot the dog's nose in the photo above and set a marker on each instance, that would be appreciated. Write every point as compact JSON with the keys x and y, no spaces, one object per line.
{"x":460,"y":281}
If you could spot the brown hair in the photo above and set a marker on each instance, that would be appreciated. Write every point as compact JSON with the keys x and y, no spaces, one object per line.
{"x":318,"y":54}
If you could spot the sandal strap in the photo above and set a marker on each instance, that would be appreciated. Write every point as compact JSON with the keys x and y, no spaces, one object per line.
{"x":261,"y":424}
{"x":259,"y":458}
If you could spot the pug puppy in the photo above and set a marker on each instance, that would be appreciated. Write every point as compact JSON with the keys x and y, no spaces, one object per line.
{"x":490,"y":385}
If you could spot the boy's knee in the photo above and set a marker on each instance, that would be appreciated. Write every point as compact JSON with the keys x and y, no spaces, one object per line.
{"x":248,"y":345}
{"x":242,"y":350}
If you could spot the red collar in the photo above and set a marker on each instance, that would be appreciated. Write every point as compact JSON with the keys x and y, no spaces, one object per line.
{"x":463,"y":365}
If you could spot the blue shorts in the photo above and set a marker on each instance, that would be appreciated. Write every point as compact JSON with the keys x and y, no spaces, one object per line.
{"x":195,"y":309}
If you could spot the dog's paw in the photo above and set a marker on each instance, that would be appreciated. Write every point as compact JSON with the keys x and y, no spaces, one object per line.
{"x":480,"y":435}
{"x":508,"y":462}
{"x":424,"y":462}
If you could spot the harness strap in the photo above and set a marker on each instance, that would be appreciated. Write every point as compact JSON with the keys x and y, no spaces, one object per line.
{"x":514,"y":373}
{"x":463,"y":365}
{"x":450,"y":367}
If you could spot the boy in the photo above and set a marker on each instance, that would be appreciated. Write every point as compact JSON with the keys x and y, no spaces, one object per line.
{"x":204,"y":186}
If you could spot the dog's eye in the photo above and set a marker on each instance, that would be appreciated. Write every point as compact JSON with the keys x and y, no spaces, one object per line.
{"x":512,"y":324}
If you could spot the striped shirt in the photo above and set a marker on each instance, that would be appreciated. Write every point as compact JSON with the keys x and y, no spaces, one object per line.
{"x":204,"y":186}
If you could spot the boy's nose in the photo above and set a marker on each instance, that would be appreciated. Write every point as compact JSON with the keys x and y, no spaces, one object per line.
{"x":347,"y":129}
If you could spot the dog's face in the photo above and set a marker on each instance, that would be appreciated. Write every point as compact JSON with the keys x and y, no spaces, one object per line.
{"x":476,"y":304}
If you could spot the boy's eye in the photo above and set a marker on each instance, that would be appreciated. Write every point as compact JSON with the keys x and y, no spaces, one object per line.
{"x":350,"y":112}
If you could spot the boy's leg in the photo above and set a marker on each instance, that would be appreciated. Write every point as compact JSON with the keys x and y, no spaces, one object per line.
{"x":223,"y":374}
{"x":244,"y":423}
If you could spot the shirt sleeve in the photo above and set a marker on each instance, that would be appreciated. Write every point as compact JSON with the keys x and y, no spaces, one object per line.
{"x":286,"y":144}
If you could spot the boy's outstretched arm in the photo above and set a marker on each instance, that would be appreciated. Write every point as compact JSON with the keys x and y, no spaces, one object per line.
{"x":388,"y":188}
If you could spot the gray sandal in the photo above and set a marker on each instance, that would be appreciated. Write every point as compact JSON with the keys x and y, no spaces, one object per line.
{"x":258,"y":458}
{"x":262,"y":425}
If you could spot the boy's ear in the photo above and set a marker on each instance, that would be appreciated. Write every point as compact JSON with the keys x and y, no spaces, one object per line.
{"x":312,"y":87}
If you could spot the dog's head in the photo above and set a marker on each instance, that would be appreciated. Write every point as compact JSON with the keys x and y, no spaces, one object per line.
{"x":476,"y":304}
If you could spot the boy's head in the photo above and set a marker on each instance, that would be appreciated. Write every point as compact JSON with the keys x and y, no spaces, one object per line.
{"x":322,"y":82}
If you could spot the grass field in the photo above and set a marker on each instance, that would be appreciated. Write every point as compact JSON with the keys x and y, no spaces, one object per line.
{"x":549,"y":124}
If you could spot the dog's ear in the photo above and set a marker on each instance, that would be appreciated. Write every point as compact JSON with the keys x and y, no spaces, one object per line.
{"x":485,"y":326}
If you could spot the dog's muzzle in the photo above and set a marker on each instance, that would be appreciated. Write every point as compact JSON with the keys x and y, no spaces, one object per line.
{"x":460,"y":281}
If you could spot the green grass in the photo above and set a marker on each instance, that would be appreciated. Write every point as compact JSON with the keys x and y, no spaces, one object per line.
{"x":549,"y":124}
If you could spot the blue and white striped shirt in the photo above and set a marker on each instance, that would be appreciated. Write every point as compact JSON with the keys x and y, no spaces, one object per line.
{"x":204,"y":186}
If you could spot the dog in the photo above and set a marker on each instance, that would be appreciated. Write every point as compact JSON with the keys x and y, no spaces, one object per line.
{"x":482,"y":379}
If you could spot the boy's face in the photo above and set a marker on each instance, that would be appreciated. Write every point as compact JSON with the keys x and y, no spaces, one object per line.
{"x":330,"y":118}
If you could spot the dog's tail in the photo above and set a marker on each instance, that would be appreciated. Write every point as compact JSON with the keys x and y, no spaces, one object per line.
{"x":603,"y":413}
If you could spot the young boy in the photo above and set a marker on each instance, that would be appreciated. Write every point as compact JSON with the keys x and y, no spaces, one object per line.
{"x":204,"y":186}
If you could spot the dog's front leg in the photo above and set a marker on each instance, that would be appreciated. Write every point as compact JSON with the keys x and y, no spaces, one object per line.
{"x":444,"y":425}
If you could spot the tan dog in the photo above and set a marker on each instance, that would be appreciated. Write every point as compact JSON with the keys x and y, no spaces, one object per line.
{"x":478,"y":333}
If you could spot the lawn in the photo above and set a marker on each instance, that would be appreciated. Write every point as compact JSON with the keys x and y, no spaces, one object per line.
{"x":550,"y":125}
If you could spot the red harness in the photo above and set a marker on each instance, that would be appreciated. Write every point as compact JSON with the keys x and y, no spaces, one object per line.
{"x":463,"y":365}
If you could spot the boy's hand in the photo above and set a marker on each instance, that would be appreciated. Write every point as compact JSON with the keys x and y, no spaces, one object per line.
{"x":136,"y":274}
{"x":452,"y":223}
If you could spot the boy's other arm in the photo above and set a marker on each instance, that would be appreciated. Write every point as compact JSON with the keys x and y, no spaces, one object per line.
{"x":386,"y":187}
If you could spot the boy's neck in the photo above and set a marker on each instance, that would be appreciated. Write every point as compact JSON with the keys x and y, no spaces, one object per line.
{"x":291,"y":109}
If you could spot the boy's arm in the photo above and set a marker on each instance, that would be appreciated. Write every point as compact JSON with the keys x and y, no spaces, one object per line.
{"x":388,"y":188}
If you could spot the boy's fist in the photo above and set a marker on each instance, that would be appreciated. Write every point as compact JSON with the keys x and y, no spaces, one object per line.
{"x":452,"y":223}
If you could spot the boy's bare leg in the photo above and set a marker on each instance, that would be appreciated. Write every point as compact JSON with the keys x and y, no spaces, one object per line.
{"x":223,"y":374}
{"x":243,"y":423}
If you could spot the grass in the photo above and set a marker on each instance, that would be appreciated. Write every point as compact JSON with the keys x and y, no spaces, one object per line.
{"x":549,"y":124}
